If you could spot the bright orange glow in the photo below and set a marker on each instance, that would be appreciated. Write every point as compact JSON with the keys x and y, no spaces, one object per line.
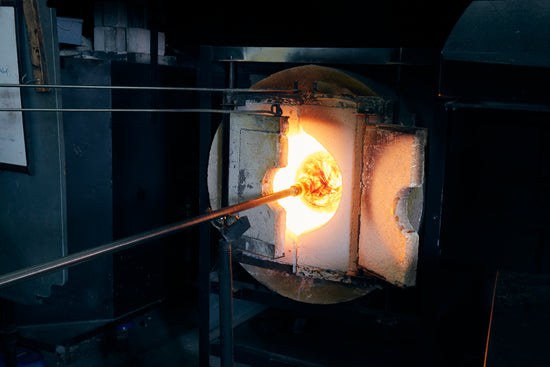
{"x":310,"y":165}
{"x":321,"y":181}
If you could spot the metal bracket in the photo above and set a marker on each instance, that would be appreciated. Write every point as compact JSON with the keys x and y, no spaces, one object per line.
{"x":232,"y":227}
{"x":276,"y":110}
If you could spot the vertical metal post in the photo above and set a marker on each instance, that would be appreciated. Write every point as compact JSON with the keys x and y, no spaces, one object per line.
{"x":205,"y":133}
{"x":225,"y":136}
{"x":226,"y":274}
{"x":153,"y":47}
{"x":428,"y":266}
{"x":397,"y":103}
{"x":226,"y":304}
{"x":8,"y":332}
{"x":204,"y":230}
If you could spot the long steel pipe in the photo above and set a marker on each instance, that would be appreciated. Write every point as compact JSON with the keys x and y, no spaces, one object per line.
{"x":180,"y":110}
{"x":174,"y":89}
{"x":49,"y":267}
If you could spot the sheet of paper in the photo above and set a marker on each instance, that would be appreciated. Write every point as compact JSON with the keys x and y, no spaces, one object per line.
{"x":12,"y":136}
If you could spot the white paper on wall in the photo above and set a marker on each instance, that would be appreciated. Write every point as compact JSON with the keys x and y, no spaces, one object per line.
{"x":12,"y":137}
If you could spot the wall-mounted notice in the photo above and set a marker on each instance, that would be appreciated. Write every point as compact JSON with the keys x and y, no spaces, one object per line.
{"x":12,"y":137}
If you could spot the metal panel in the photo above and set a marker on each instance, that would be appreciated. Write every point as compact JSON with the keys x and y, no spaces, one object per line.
{"x":140,"y":181}
{"x":503,"y":32}
{"x":33,"y":215}
{"x":251,"y":137}
{"x":89,"y":200}
{"x":391,"y":203}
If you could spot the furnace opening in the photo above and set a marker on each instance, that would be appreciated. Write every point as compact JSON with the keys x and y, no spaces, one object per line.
{"x":321,"y":182}
{"x":312,"y":167}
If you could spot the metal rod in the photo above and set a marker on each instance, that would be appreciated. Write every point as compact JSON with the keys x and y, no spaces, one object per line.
{"x":226,"y":304}
{"x":204,"y":77}
{"x":226,"y":272}
{"x":40,"y":270}
{"x":184,"y":110}
{"x":175,"y":89}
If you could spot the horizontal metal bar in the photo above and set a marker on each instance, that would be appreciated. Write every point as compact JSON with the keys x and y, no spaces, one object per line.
{"x":490,"y":105}
{"x":40,"y":270}
{"x":327,"y":55}
{"x":179,"y":110}
{"x":153,"y":88}
{"x":262,"y":262}
{"x":336,"y":55}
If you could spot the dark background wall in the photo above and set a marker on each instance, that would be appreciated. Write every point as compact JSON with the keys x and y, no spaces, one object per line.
{"x":125,"y":173}
{"x":145,"y":167}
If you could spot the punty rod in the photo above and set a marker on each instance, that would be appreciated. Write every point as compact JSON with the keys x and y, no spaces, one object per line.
{"x":152,"y":88}
{"x":49,"y":267}
{"x":163,"y":110}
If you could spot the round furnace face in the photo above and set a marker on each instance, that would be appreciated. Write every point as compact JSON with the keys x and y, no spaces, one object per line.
{"x":308,"y":248}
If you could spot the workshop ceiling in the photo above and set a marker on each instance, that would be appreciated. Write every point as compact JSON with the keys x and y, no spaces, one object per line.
{"x":392,"y":23}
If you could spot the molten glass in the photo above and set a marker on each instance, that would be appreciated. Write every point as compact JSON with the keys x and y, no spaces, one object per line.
{"x":315,"y":170}
{"x":321,"y":182}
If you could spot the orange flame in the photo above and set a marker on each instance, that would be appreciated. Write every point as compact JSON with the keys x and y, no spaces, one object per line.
{"x":312,"y":167}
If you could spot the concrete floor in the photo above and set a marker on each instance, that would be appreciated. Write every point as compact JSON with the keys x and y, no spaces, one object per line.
{"x":158,"y":338}
{"x":167,"y":335}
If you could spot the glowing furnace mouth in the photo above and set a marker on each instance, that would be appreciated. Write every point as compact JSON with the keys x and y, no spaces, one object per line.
{"x":312,"y":167}
{"x":321,"y":182}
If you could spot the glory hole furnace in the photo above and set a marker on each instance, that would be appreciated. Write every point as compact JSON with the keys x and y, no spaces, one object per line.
{"x":364,"y":178}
